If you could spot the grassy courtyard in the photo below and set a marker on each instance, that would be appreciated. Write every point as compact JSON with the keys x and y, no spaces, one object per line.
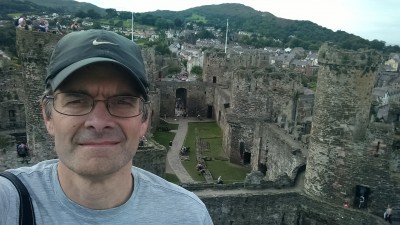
{"x":217,"y":162}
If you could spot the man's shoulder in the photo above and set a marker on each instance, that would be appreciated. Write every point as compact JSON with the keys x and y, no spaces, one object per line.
{"x":37,"y":171}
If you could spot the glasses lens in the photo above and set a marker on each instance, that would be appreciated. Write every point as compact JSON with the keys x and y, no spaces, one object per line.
{"x":78,"y":104}
{"x":73,"y":104}
{"x":125,"y":106}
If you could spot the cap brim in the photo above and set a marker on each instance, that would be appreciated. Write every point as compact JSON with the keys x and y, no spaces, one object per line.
{"x":56,"y":81}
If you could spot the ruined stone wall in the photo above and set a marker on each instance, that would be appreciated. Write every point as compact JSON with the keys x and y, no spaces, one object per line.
{"x":241,"y":135}
{"x":154,"y":107}
{"x":341,"y":112}
{"x":34,"y":49}
{"x":214,"y":66}
{"x":157,"y":65}
{"x":284,"y":156}
{"x":280,"y":208}
{"x":152,"y":64}
{"x":12,"y":111}
{"x":383,"y":161}
{"x":221,"y":104}
{"x":151,"y":157}
{"x":218,"y":67}
{"x":261,"y":94}
{"x":253,"y":58}
{"x":195,"y":101}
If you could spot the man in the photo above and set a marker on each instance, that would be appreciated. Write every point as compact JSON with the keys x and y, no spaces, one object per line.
{"x":95,"y":107}
{"x":59,"y":28}
{"x":388,"y":214}
{"x":22,"y":22}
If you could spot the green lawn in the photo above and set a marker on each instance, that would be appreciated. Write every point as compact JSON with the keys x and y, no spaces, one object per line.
{"x":163,"y":137}
{"x":163,"y":134}
{"x":219,"y":165}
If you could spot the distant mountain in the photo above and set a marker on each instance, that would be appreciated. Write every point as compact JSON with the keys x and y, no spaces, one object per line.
{"x":69,"y":5}
{"x":291,"y":32}
{"x":266,"y":29}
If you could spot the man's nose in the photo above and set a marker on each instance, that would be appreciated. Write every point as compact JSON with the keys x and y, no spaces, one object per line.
{"x":99,"y":118}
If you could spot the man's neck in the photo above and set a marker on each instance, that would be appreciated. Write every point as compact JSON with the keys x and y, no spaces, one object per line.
{"x":97,"y":193}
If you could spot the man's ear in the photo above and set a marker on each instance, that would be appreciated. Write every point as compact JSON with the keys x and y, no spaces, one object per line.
{"x":143,"y":127}
{"x":48,"y":121}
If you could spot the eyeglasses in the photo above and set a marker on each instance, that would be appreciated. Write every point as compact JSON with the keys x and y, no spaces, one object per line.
{"x":79,"y":104}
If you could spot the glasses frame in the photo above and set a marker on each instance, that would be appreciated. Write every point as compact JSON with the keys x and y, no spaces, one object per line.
{"x":141,"y":107}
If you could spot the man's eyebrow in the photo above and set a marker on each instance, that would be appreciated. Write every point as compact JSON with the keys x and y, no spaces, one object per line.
{"x":123,"y":93}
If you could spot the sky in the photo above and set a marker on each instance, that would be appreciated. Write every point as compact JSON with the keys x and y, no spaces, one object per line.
{"x":369,"y":19}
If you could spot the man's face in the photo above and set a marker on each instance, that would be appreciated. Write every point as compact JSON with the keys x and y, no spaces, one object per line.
{"x":96,"y":144}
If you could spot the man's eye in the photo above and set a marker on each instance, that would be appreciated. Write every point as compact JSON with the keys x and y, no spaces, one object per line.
{"x":124,"y":101}
{"x":76,"y":101}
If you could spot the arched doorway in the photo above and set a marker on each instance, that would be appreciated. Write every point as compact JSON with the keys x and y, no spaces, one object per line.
{"x":180,"y":102}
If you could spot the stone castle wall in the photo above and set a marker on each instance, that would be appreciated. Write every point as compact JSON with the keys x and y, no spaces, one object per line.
{"x":337,"y":148}
{"x":283,"y":155}
{"x":281,"y":208}
{"x":34,"y":49}
{"x":218,"y":67}
{"x":195,"y":98}
{"x":12,"y":110}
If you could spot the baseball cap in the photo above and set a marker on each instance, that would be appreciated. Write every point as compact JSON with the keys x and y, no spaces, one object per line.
{"x":78,"y":49}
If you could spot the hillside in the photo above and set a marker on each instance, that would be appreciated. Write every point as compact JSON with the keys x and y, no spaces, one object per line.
{"x":267,"y":27}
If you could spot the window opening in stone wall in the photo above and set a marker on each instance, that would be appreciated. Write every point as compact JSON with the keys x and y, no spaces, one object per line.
{"x":241,"y":149}
{"x":299,"y":175}
{"x":262,"y":168}
{"x":214,"y":79}
{"x":227,"y":105}
{"x":378,"y":146}
{"x":361,"y":196}
{"x":246,"y":158}
{"x":12,"y":115}
{"x":209,"y":111}
{"x":180,"y":102}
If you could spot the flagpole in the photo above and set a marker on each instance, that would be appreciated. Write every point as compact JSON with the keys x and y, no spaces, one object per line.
{"x":132,"y":26}
{"x":226,"y":35}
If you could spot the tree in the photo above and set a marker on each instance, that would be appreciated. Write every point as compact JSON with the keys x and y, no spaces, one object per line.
{"x":119,"y":23}
{"x":93,"y":14}
{"x":163,"y":23}
{"x":178,"y":23}
{"x":196,"y":70}
{"x":124,"y":15}
{"x":378,"y":45}
{"x":81,"y":14}
{"x":97,"y":25}
{"x":111,"y":13}
{"x":162,"y":49}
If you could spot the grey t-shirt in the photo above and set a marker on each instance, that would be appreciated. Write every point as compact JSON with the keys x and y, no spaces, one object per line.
{"x":153,"y":201}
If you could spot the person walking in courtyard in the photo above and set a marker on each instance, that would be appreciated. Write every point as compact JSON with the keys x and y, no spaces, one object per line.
{"x":388,"y":214}
{"x":96,"y":107}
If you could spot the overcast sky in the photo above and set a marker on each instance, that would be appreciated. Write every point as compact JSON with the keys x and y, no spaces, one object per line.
{"x":370,"y":19}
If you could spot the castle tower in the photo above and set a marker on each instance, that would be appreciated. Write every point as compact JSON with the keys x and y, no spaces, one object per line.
{"x":34,"y":49}
{"x":338,"y":156}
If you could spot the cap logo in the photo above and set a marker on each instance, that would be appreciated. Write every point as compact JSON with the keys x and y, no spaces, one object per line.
{"x":95,"y":42}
